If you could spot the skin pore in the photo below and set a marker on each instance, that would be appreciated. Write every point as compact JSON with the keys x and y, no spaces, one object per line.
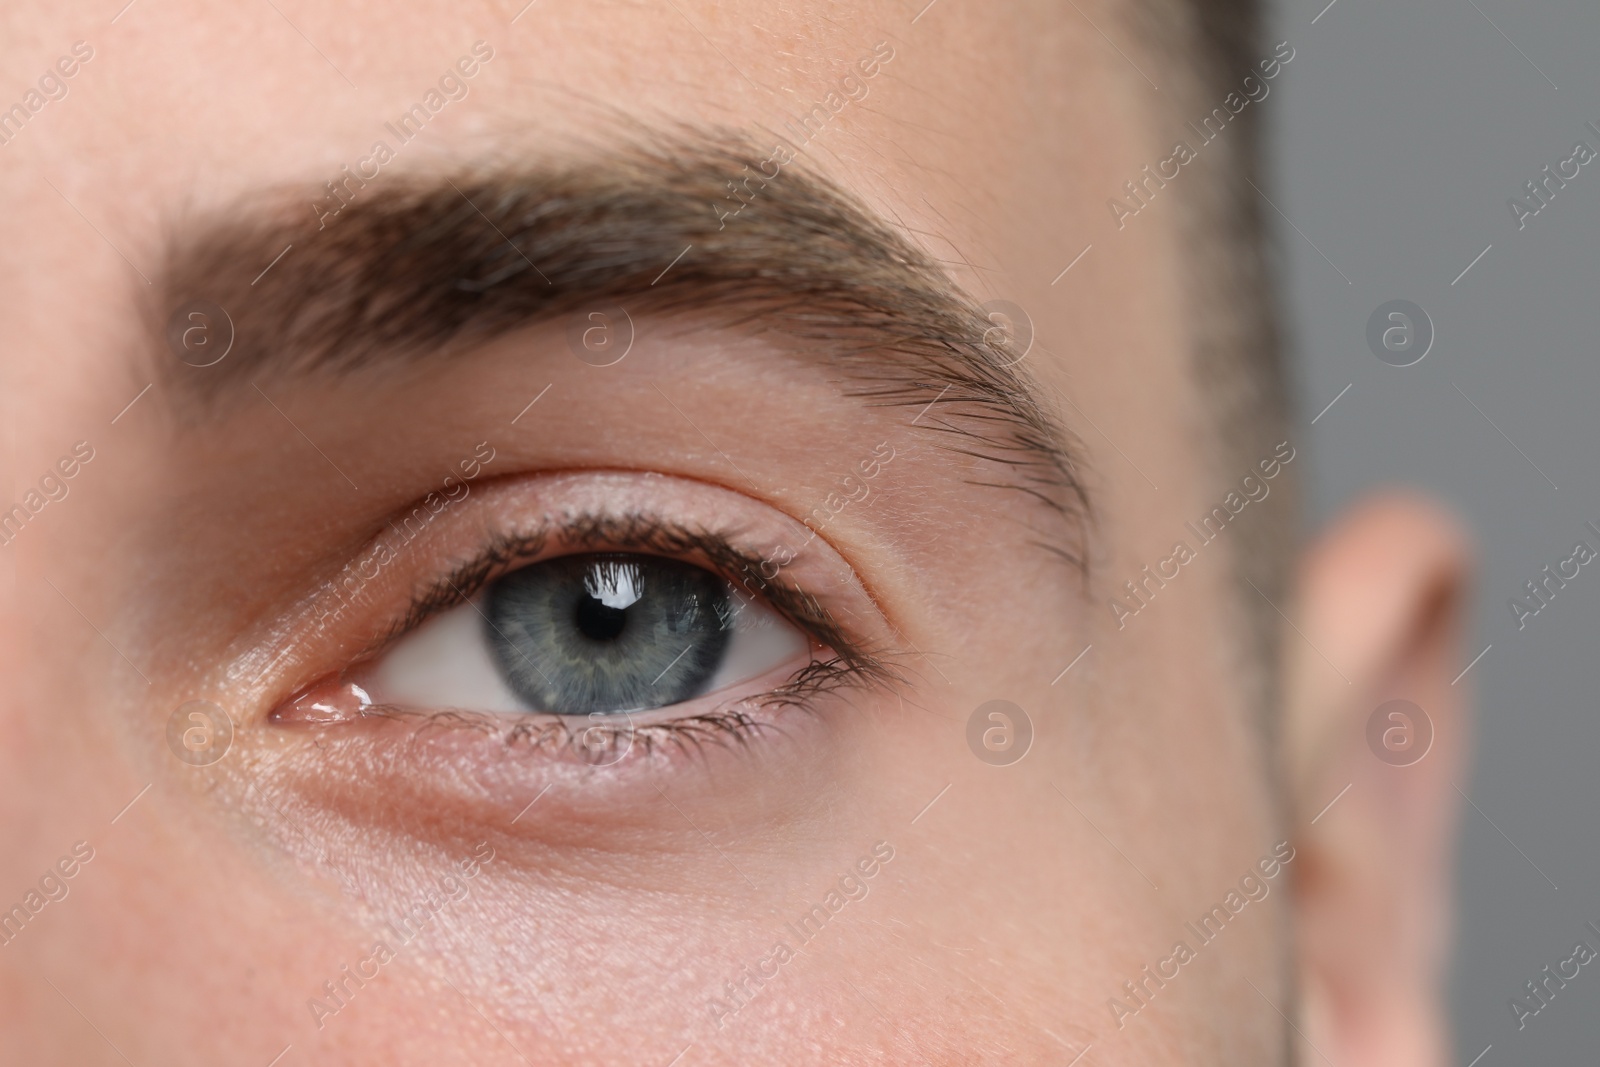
{"x":619,"y":898}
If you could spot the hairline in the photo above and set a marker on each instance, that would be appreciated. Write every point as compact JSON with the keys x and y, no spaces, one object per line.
{"x":1205,"y":47}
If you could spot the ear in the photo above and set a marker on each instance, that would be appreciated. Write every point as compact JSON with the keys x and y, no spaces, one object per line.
{"x":1374,"y":786}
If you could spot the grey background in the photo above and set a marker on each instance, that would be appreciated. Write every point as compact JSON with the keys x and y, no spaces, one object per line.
{"x":1398,"y":133}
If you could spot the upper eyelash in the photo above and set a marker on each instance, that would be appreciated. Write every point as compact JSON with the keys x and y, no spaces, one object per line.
{"x":650,"y":534}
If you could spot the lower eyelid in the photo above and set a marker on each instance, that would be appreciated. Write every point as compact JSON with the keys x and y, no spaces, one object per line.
{"x":449,"y":773}
{"x":741,"y":713}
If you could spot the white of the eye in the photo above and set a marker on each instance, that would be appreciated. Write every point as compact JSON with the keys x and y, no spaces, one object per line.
{"x":447,"y":662}
{"x":762,"y":640}
{"x":444,"y":663}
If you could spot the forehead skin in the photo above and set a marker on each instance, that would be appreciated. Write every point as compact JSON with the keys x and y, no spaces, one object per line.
{"x":1015,"y":907}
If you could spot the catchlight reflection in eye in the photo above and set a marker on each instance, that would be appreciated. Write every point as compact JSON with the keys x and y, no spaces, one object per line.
{"x":596,"y":633}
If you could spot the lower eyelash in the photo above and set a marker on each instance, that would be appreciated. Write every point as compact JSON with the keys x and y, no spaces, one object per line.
{"x":604,"y":744}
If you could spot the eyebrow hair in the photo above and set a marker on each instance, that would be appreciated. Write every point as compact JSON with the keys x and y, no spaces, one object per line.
{"x":422,"y":267}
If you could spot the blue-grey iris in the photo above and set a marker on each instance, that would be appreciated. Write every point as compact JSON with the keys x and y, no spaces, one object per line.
{"x":608,"y":632}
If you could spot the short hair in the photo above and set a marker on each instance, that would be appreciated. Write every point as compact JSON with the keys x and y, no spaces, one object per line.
{"x":1204,"y":48}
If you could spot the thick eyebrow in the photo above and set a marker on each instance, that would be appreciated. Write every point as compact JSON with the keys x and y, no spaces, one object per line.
{"x":406,"y":267}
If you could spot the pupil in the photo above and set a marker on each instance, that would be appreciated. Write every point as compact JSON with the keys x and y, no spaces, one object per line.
{"x":599,"y":622}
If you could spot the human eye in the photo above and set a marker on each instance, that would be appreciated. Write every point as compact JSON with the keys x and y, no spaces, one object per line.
{"x":577,"y":632}
{"x":589,"y":634}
